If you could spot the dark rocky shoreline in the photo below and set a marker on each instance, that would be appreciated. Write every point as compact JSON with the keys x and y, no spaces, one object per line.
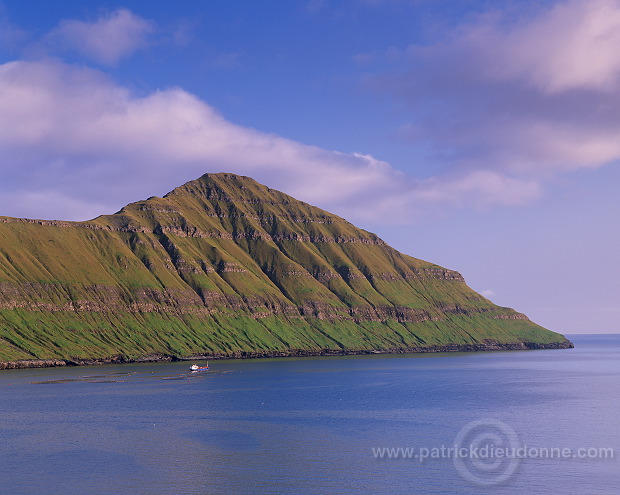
{"x":491,"y":346}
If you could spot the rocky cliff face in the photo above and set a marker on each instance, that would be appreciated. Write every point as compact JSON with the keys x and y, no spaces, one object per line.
{"x":223,"y":266}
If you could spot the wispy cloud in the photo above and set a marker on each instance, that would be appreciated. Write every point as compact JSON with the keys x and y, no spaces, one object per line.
{"x":75,"y":140}
{"x":513,"y":103}
{"x":107,"y":40}
{"x":228,"y":61}
{"x":488,"y":293}
{"x":498,"y":115}
{"x":77,"y":134}
{"x":573,"y":46}
{"x":11,"y":36}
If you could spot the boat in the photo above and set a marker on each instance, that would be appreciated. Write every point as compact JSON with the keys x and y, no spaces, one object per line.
{"x":195,"y":367}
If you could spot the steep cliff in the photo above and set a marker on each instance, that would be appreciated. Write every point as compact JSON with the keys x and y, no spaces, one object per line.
{"x":224,"y":266}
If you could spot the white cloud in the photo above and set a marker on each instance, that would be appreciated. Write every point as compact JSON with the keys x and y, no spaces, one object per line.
{"x":488,"y":293}
{"x":500,"y":126}
{"x":73,"y":138}
{"x":572,"y":46}
{"x":481,"y":188}
{"x":75,"y":132}
{"x":510,"y":103}
{"x":107,"y":40}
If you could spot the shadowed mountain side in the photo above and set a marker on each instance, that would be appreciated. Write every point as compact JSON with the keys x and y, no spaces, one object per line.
{"x":224,"y":266}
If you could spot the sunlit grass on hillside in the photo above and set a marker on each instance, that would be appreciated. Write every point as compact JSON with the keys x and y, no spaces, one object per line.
{"x":224,"y":266}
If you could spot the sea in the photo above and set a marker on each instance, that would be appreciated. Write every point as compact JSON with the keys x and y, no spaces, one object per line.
{"x":520,"y":422}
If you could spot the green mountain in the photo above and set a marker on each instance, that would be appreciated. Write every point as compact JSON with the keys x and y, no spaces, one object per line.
{"x":224,"y":266}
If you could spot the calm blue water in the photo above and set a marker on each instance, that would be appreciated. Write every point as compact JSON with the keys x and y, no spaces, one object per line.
{"x":309,"y":426}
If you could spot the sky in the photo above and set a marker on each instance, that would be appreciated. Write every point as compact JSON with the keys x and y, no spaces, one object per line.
{"x":480,"y":135}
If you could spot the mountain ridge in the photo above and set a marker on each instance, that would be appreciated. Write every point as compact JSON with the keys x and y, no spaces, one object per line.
{"x":223,"y":266}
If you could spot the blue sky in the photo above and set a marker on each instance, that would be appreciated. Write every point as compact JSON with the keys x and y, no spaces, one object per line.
{"x":479,"y":135}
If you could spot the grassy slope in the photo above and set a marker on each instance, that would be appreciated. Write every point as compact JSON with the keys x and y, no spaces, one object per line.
{"x":225,"y":265}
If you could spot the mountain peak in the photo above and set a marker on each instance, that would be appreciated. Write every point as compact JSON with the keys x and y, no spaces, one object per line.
{"x":231,"y":188}
{"x":215,"y":204}
{"x":216,"y":181}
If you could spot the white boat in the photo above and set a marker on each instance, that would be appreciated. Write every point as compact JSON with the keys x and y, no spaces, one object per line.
{"x":195,"y":367}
